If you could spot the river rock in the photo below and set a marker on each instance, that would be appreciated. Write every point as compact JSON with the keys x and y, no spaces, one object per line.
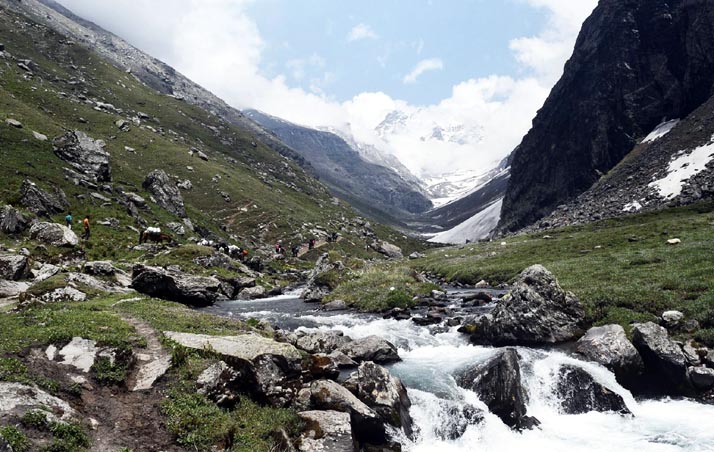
{"x":497,"y":381}
{"x":663,"y":358}
{"x":336,"y":305}
{"x":322,"y":366}
{"x":218,"y":384}
{"x":608,"y":345}
{"x":53,"y":234}
{"x":18,"y":399}
{"x":701,"y":377}
{"x":322,"y":341}
{"x":166,"y":192}
{"x":14,"y":267}
{"x":316,"y":288}
{"x":12,"y":221}
{"x":371,"y":348}
{"x":536,"y":311}
{"x":175,"y":286}
{"x":456,"y":419}
{"x":343,"y":361}
{"x":385,"y":394}
{"x":252,"y":293}
{"x":580,"y":393}
{"x":366,"y":424}
{"x":326,"y":431}
{"x":99,"y":268}
{"x":40,"y":202}
{"x":85,"y":154}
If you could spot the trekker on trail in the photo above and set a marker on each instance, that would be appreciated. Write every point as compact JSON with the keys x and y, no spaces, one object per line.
{"x":279,"y":249}
{"x":311,"y":244}
{"x":68,"y":220}
{"x":85,"y":223}
{"x":296,"y":250}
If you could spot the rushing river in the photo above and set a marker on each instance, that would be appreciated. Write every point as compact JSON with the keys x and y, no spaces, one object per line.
{"x":430,"y":358}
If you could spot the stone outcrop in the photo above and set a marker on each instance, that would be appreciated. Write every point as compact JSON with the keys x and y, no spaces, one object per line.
{"x":497,"y":381}
{"x":12,"y":221}
{"x":608,"y":345}
{"x":664,"y":360}
{"x":316,"y":288}
{"x":18,"y":399}
{"x":53,"y":234}
{"x":536,"y":311}
{"x":165,"y":192}
{"x":99,"y":268}
{"x":371,"y":348}
{"x":175,"y":286}
{"x":579,"y":393}
{"x":218,"y":383}
{"x":326,"y":431}
{"x":388,"y":249}
{"x":40,"y":202}
{"x":84,"y":154}
{"x":322,"y":341}
{"x":14,"y":267}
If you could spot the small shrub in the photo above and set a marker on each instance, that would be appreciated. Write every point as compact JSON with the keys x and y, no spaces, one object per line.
{"x":17,"y":440}
{"x":35,"y":418}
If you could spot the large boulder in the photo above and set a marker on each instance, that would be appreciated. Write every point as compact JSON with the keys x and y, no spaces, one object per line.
{"x":702,"y":378}
{"x":322,"y":341}
{"x":497,"y":381}
{"x":322,"y":367}
{"x":85,"y":154}
{"x":317,"y":286}
{"x":13,"y":267}
{"x":175,"y":286}
{"x":268,"y":370}
{"x":371,"y":348}
{"x":388,"y":249}
{"x":328,"y":395}
{"x":326,"y":431}
{"x":165,"y":192}
{"x":99,"y":268}
{"x":578,"y":393}
{"x":385,"y":394}
{"x":12,"y":288}
{"x":53,"y":234}
{"x":664,"y":360}
{"x":40,"y":202}
{"x":536,"y":311}
{"x":608,"y":345}
{"x":12,"y":221}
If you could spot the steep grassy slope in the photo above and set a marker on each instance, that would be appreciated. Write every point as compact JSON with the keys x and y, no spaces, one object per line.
{"x":271,"y":197}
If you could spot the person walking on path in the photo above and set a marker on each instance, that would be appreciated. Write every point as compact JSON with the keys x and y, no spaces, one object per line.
{"x":68,"y":220}
{"x":85,"y":223}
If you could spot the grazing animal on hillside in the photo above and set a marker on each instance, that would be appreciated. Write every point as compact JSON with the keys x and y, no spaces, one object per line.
{"x":154,"y":235}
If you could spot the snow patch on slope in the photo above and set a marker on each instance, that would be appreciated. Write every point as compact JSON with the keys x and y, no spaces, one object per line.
{"x":475,"y":228}
{"x":660,"y":131}
{"x":682,"y":168}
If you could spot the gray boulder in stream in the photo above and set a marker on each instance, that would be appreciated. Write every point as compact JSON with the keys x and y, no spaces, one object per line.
{"x":580,"y":393}
{"x":322,"y":341}
{"x":537,"y":311}
{"x":371,"y":348}
{"x":497,"y":381}
{"x":665,"y":363}
{"x":608,"y":345}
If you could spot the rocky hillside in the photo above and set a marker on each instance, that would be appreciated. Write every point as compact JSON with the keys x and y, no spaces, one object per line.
{"x":372,"y":188}
{"x":635,"y":64}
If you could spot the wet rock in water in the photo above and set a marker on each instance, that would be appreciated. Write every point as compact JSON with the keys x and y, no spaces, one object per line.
{"x":456,"y":419}
{"x":317,"y":286}
{"x":53,"y":234}
{"x":218,"y":384}
{"x":86,"y":155}
{"x":99,"y":268}
{"x":371,"y":348}
{"x":580,"y":393}
{"x":12,"y":221}
{"x":326,"y":431}
{"x":608,"y":345}
{"x":385,"y":394}
{"x":388,"y":249}
{"x":322,"y":341}
{"x":480,"y":297}
{"x":14,"y":267}
{"x":663,"y":358}
{"x":252,"y":293}
{"x":175,"y":286}
{"x":336,"y":305}
{"x":702,"y":378}
{"x":166,"y":192}
{"x":343,"y":361}
{"x":328,"y":395}
{"x":536,"y":311}
{"x":40,"y":202}
{"x":497,"y":381}
{"x":322,"y":366}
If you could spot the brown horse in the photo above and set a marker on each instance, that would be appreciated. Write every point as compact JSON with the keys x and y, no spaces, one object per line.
{"x":145,"y":236}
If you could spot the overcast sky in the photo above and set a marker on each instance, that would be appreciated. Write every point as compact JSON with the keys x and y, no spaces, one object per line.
{"x":477,"y":68}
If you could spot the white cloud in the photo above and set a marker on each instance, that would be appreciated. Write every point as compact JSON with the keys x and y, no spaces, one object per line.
{"x":361,"y":31}
{"x":217,"y":44}
{"x":431,"y":64}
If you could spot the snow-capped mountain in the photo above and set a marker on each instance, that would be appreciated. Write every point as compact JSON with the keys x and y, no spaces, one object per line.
{"x":448,"y":187}
{"x":450,"y":131}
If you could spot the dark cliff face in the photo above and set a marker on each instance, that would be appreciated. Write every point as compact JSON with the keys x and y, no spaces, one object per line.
{"x":636,"y":62}
{"x":367,"y":186}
